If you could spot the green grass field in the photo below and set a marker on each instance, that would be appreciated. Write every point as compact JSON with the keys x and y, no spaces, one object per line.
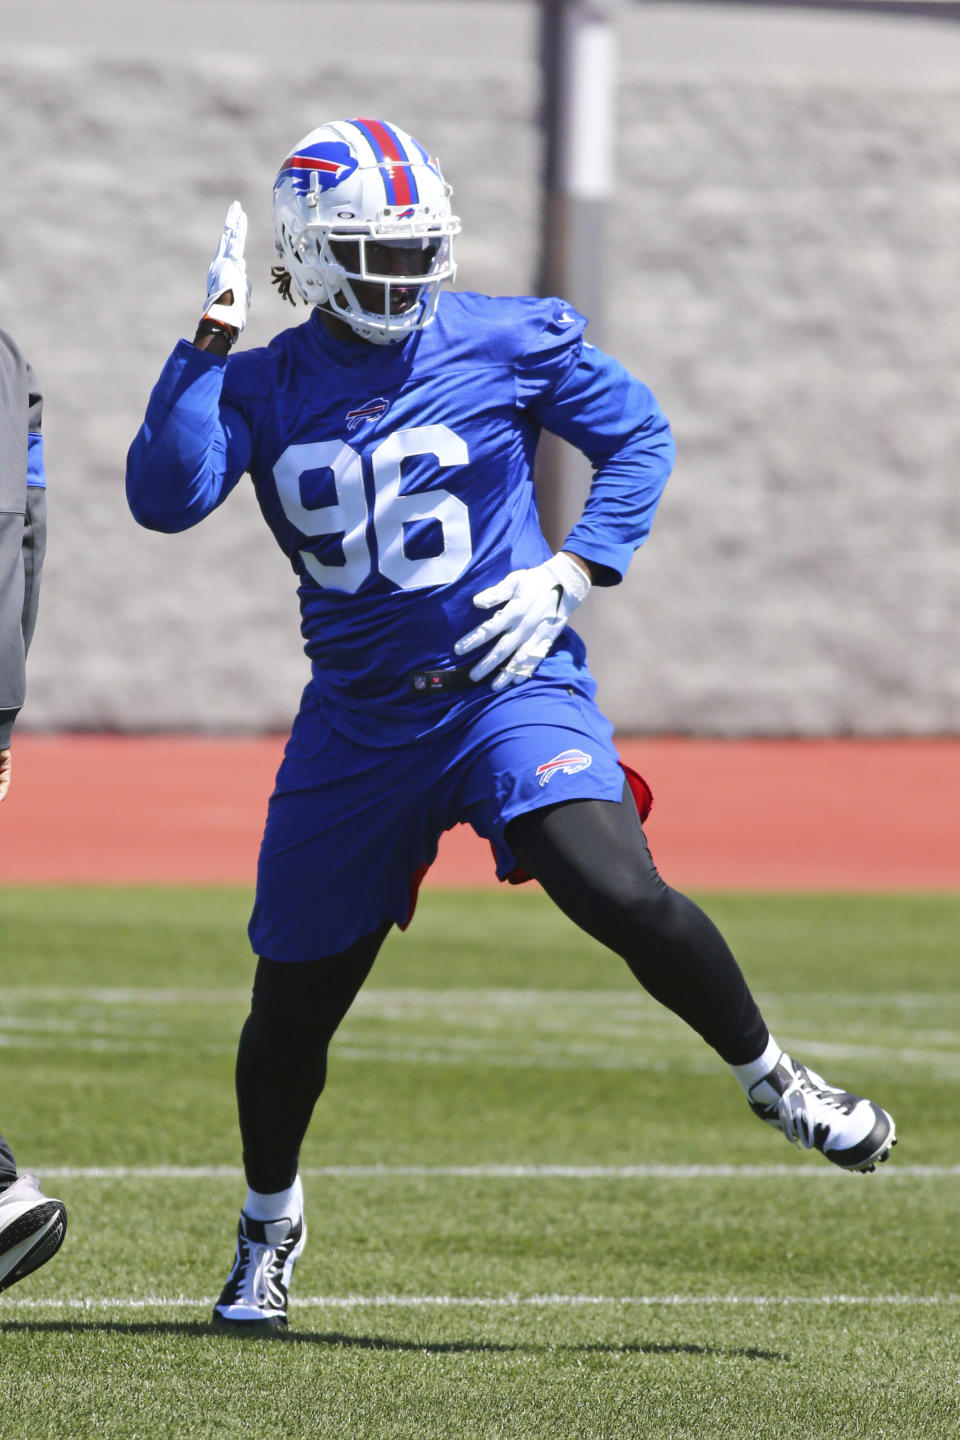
{"x":538,"y":1206}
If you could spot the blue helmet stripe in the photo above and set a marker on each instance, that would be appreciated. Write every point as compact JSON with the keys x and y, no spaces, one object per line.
{"x":400,"y":185}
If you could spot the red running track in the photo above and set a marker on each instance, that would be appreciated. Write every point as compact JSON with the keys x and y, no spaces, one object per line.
{"x":743,"y":815}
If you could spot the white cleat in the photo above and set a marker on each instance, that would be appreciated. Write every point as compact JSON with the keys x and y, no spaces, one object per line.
{"x":851,"y":1132}
{"x":254,"y":1299}
{"x":32,"y":1228}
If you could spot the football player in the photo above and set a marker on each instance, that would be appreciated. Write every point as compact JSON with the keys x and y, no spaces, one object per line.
{"x":390,"y":440}
{"x":32,"y":1227}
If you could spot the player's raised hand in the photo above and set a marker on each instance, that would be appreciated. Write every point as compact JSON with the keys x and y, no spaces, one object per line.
{"x":533,"y":606}
{"x":228,"y":290}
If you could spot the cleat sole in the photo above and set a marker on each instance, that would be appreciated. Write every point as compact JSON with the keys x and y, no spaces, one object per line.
{"x":868,"y":1167}
{"x":880,"y":1155}
{"x":47,"y":1223}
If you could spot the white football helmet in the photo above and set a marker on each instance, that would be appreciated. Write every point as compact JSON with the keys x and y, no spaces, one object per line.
{"x":364,"y":228}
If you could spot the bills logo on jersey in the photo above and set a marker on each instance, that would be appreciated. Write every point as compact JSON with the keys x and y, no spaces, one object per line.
{"x":372,"y":410}
{"x":331,"y":161}
{"x":568,"y":761}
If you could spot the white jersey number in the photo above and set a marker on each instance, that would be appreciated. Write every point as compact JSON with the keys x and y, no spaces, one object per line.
{"x":348,"y":515}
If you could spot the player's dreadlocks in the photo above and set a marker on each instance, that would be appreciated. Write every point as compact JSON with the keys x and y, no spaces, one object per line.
{"x":281,"y":277}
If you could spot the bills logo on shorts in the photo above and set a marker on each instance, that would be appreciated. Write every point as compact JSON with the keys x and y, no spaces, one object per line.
{"x":371,"y":410}
{"x":569,"y":761}
{"x":331,"y":161}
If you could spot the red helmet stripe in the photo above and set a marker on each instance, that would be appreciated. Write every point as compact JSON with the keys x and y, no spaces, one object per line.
{"x":395,"y":164}
{"x":310,"y":162}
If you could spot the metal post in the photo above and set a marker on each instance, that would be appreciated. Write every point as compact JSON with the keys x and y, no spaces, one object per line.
{"x":577,"y":49}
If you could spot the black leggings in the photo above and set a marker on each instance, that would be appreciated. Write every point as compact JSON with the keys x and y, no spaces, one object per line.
{"x":8,"y":1166}
{"x":282,"y":1056}
{"x":591,"y":858}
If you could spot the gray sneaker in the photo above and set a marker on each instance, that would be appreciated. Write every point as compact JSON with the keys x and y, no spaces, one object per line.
{"x":854,"y":1133}
{"x":32,"y":1228}
{"x":254,"y":1299}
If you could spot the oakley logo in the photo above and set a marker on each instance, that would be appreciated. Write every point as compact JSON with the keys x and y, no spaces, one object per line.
{"x":568,"y":761}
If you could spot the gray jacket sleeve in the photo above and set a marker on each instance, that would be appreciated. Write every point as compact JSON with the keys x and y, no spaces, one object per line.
{"x":22,"y":525}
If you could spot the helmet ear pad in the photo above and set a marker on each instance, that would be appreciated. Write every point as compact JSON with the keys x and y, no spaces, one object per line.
{"x":334,"y":276}
{"x":347,"y":220}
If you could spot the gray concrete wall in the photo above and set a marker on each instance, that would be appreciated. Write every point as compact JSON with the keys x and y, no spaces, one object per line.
{"x":784,"y":273}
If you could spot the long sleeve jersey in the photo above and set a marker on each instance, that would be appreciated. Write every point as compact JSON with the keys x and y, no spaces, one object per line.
{"x":23,"y":525}
{"x":398,"y":480}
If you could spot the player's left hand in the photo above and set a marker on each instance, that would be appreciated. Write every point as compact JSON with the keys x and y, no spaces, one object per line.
{"x":534,"y":606}
{"x":228,"y":274}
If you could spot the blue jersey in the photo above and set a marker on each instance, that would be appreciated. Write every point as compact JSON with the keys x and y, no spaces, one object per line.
{"x":398,"y":480}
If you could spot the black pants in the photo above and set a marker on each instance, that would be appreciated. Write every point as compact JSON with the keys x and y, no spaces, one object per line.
{"x":591,"y":858}
{"x":8,"y":1166}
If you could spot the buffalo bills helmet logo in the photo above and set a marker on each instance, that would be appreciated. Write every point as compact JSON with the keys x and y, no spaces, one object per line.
{"x":331,"y":162}
{"x":568,"y":761}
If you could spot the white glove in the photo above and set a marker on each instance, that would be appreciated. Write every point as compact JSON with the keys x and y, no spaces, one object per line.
{"x":535,"y":606}
{"x":228,"y":271}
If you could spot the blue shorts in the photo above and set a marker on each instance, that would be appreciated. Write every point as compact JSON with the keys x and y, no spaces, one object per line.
{"x":349,"y":826}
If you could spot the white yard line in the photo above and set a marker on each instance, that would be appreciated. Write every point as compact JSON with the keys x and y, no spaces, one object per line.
{"x":494,"y":1172}
{"x":438,"y":998}
{"x":538,"y":1057}
{"x":567,"y":1030}
{"x":484,"y":1302}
